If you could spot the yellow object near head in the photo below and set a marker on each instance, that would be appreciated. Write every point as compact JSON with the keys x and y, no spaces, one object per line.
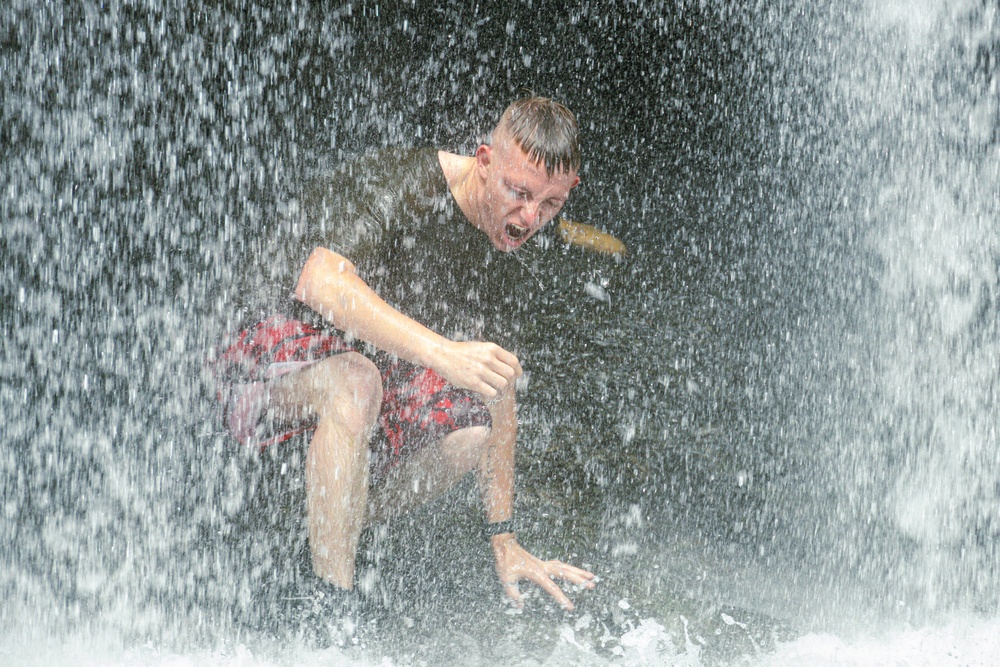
{"x":590,"y":238}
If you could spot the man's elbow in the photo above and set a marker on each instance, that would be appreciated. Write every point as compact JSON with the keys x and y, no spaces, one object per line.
{"x":322,"y":271}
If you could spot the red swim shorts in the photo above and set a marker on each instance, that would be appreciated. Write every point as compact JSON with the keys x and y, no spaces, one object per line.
{"x":419,"y":407}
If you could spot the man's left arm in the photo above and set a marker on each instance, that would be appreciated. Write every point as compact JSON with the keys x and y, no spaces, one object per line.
{"x":496,"y":484}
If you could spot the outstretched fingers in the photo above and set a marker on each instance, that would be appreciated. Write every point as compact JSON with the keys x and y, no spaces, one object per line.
{"x":567,"y":573}
{"x":546,"y":583}
{"x":515,"y":564}
{"x":570,"y":573}
{"x":542,"y":576}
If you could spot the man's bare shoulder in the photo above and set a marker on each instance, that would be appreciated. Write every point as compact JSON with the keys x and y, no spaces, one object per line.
{"x":454,"y":166}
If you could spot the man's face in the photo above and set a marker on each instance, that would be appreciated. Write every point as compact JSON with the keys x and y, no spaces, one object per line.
{"x":520,"y":198}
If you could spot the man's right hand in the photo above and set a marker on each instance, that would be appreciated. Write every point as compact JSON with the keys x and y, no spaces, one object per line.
{"x":485,"y":368}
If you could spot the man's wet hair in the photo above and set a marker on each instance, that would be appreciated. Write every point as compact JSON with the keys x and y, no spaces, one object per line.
{"x":546,"y":131}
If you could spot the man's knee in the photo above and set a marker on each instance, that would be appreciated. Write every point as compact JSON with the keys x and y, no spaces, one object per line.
{"x":350,"y":390}
{"x":466,"y":447}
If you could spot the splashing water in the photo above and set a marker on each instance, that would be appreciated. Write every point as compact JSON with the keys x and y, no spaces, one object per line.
{"x":772,"y":430}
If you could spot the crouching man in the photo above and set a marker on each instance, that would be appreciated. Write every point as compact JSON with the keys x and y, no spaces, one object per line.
{"x":382,"y":349}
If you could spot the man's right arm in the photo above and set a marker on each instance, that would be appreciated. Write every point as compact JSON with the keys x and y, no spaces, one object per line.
{"x":330,"y":285}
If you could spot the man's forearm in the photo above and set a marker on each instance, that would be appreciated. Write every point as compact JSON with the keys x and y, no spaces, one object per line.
{"x":329,"y":285}
{"x":495,"y":475}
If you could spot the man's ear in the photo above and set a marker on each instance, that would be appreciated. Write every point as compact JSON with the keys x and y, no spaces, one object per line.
{"x":484,"y":154}
{"x":576,"y":182}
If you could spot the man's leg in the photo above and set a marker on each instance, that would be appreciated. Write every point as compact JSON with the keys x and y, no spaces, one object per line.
{"x":428,"y":473}
{"x":486,"y":450}
{"x":343,"y":393}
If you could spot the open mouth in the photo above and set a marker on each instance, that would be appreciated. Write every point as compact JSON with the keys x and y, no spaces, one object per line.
{"x":515,"y":233}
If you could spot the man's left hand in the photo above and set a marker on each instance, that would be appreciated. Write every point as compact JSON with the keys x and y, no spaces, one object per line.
{"x":514,"y":563}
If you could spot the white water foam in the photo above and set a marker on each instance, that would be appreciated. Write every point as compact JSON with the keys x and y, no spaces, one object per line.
{"x":961,"y":643}
{"x":85,"y":652}
{"x":958,"y":643}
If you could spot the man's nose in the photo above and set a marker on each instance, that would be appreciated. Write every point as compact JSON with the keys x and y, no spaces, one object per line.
{"x":529,"y":214}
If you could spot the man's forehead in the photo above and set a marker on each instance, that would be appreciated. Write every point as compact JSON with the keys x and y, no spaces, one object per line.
{"x":517,"y":159}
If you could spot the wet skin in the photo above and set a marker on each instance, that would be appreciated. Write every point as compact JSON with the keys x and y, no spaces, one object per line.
{"x":518,"y":197}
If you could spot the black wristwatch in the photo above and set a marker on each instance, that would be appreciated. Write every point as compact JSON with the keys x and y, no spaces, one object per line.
{"x":499,"y":528}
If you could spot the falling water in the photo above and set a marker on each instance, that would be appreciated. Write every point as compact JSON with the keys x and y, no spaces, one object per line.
{"x":771,"y":429}
{"x":899,"y":348}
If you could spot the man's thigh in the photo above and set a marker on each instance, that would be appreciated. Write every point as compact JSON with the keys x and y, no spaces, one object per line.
{"x":248,"y":364}
{"x":344,"y":381}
